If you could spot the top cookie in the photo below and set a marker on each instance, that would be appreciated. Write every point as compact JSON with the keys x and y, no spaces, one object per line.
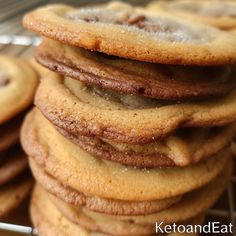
{"x":121,"y":30}
{"x":164,"y":82}
{"x":18,"y":82}
{"x":217,"y":13}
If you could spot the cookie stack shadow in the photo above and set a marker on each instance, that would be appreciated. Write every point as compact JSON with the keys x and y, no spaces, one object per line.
{"x":17,"y":86}
{"x":117,"y":143}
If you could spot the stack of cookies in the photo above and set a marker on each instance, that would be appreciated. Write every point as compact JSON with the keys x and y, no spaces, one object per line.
{"x":133,"y":128}
{"x":17,"y":86}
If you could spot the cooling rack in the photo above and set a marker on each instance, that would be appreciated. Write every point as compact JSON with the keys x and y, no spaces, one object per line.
{"x":16,"y":41}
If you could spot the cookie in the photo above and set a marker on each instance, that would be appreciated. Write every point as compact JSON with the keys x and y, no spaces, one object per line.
{"x":164,"y":82}
{"x":13,"y":193}
{"x":175,"y":150}
{"x":192,"y":204}
{"x":67,"y":163}
{"x":97,"y":204}
{"x":18,"y":82}
{"x":217,"y":13}
{"x":122,"y":30}
{"x":72,"y":106}
{"x":53,"y":222}
{"x":14,"y":162}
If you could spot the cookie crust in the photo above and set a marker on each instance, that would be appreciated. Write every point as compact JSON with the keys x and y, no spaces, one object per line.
{"x":93,"y":203}
{"x":55,"y":223}
{"x":69,"y":106}
{"x":173,"y":151}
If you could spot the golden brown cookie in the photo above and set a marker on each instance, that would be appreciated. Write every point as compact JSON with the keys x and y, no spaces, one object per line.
{"x":165,"y":82}
{"x":13,"y":193}
{"x":175,"y":150}
{"x":68,"y":163}
{"x":52,"y":222}
{"x":14,"y":162}
{"x":97,"y":204}
{"x":18,"y":82}
{"x":72,"y":106}
{"x":217,"y":13}
{"x":122,"y":30}
{"x":192,"y":204}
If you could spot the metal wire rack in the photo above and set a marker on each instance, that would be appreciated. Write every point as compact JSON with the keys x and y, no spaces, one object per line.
{"x":16,"y":41}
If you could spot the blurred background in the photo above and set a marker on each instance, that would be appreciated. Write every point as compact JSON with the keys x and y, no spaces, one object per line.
{"x":16,"y":41}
